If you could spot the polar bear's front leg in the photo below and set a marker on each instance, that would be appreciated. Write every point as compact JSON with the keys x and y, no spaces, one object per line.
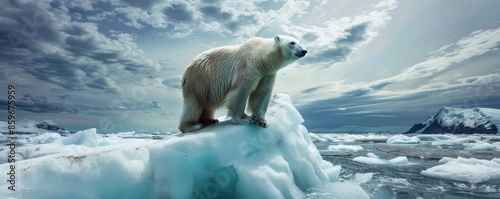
{"x":236,"y":102}
{"x":259,"y":100}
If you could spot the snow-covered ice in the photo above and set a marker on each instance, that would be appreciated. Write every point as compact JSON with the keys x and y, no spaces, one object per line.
{"x":403,"y":139}
{"x":222,"y":160}
{"x":467,"y":170}
{"x":374,"y":159}
{"x":344,"y":148}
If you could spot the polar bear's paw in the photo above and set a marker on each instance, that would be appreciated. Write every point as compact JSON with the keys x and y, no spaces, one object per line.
{"x":259,"y":121}
{"x":244,"y":119}
{"x":190,"y":127}
{"x":209,"y":121}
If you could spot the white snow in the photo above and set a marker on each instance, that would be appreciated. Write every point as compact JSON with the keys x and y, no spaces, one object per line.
{"x":222,"y":160}
{"x":467,"y":170}
{"x":403,"y":139}
{"x":374,"y":159}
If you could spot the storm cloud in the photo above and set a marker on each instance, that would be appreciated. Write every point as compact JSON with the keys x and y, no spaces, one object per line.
{"x":55,"y":49}
{"x":341,"y":48}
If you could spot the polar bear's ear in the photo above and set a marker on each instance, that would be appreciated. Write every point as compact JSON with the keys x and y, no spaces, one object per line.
{"x":277,"y":39}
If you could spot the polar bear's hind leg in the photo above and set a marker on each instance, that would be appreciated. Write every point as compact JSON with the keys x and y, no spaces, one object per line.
{"x":190,"y":117}
{"x":207,"y":117}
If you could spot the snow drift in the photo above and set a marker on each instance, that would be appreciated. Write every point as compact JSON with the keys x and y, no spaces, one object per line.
{"x":460,"y":121}
{"x":219,"y":161}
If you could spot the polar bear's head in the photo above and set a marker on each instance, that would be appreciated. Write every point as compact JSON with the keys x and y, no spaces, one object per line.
{"x":290,"y":47}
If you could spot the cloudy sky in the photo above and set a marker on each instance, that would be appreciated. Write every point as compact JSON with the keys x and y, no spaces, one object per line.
{"x":116,"y":64}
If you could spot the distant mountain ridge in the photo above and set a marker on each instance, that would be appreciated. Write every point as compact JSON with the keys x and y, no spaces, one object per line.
{"x":27,"y":126}
{"x":460,"y":121}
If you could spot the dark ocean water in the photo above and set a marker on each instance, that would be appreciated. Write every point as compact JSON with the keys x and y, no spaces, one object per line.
{"x":405,"y":181}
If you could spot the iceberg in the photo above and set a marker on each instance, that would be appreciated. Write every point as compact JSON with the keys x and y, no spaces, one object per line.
{"x":223,"y":160}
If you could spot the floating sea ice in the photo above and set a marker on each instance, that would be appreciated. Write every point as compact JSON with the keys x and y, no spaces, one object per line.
{"x":401,"y":160}
{"x":371,"y":155}
{"x":374,"y":159}
{"x":403,"y":139}
{"x":345,"y":148}
{"x":316,"y":138}
{"x":481,"y":147}
{"x":469,"y":139}
{"x":45,"y":138}
{"x":338,"y":190}
{"x":87,"y":138}
{"x":436,"y":137}
{"x":467,"y":170}
{"x":363,"y":178}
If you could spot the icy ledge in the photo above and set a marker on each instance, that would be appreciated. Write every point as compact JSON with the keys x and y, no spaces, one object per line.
{"x":220,"y":161}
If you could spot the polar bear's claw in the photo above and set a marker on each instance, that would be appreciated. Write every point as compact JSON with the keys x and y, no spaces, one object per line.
{"x":210,"y":121}
{"x":260,"y":122}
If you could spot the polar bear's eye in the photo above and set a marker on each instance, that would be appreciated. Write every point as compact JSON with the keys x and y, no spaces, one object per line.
{"x":292,"y":43}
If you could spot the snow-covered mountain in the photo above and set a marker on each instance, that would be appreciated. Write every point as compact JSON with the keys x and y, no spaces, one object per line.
{"x":460,"y":121}
{"x":27,"y":126}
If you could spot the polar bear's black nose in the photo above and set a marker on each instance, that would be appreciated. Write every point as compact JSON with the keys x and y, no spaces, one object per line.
{"x":301,"y":53}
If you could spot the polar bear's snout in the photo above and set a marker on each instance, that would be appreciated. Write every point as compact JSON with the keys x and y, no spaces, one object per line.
{"x":297,"y":50}
{"x":302,"y":53}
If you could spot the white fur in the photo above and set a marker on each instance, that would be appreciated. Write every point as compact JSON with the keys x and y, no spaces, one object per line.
{"x":233,"y":75}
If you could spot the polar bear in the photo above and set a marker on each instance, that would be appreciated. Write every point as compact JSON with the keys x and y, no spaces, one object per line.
{"x":231,"y":75}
